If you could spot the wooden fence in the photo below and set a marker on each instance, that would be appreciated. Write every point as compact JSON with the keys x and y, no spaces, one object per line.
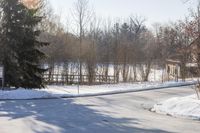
{"x":61,"y":79}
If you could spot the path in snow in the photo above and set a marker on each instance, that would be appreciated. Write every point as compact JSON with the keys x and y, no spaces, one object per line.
{"x":123,"y":113}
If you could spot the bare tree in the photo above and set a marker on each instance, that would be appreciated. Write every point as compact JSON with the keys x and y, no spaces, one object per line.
{"x":91,"y":54}
{"x":148,"y":55}
{"x":82,"y":15}
{"x":137,"y":27}
{"x":116,"y":49}
{"x":198,"y":52}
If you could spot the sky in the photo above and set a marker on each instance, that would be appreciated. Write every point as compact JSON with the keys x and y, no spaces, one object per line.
{"x":155,"y":11}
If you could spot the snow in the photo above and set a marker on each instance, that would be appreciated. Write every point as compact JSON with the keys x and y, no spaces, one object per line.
{"x":187,"y":107}
{"x":1,"y":72}
{"x":72,"y":91}
{"x":156,"y":74}
{"x":191,"y":65}
{"x":105,"y":114}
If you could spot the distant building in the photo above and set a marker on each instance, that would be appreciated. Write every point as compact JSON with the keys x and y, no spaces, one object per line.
{"x":176,"y":63}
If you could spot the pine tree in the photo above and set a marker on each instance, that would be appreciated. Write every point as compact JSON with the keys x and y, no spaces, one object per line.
{"x":10,"y":42}
{"x":20,"y":39}
{"x":30,"y":55}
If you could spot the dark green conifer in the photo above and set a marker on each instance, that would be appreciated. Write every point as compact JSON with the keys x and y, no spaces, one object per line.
{"x":21,"y":46}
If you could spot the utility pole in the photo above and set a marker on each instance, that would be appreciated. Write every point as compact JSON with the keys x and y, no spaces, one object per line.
{"x":78,"y":86}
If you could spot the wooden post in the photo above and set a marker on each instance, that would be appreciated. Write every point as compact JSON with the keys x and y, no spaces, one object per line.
{"x":3,"y":74}
{"x":56,"y":78}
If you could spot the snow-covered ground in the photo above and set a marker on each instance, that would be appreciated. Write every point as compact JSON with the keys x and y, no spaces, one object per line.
{"x":125,"y":113}
{"x":72,"y":91}
{"x":157,"y":74}
{"x":187,"y":107}
{"x":1,"y":72}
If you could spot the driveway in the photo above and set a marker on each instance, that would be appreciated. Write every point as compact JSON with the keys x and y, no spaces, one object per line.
{"x":122,"y":113}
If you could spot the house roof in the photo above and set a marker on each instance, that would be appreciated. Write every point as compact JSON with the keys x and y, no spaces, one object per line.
{"x":171,"y":61}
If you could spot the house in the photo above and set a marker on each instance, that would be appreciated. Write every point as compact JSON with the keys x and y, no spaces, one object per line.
{"x":173,"y":67}
{"x":185,"y":60}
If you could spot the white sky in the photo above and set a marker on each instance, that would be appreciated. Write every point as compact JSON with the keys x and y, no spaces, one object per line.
{"x":161,"y":11}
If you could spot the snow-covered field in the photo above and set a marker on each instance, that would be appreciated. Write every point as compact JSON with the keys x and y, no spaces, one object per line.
{"x":72,"y":91}
{"x":187,"y":107}
{"x":1,"y":72}
{"x":157,"y":74}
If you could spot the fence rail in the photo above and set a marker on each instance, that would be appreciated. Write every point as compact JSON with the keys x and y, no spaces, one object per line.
{"x":75,"y":79}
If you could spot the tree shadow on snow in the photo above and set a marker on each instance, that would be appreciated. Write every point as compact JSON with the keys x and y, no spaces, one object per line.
{"x":66,"y":116}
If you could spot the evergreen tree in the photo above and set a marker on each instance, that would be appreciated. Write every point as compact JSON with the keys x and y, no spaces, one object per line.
{"x":20,"y":40}
{"x":10,"y":41}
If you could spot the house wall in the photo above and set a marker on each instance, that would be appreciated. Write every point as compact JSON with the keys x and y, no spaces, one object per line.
{"x":173,"y":70}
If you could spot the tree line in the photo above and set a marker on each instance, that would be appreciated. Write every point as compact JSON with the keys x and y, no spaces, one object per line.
{"x":127,"y":44}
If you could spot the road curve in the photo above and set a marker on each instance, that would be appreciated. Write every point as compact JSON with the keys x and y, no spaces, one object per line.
{"x":121,"y":113}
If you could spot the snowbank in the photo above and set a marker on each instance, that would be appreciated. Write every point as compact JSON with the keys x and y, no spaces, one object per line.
{"x":187,"y":107}
{"x":72,"y":91}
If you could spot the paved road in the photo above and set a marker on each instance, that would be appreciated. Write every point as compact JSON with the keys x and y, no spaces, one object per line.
{"x":122,"y":113}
